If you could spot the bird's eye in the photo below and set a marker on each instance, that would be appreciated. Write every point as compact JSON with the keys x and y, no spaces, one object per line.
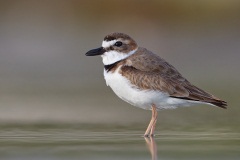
{"x":118,"y":44}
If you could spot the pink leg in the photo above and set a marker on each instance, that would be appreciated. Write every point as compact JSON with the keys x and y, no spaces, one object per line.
{"x":151,"y":126}
{"x":154,"y":122}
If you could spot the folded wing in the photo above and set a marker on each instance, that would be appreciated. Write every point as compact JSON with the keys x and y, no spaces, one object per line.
{"x":148,"y":71}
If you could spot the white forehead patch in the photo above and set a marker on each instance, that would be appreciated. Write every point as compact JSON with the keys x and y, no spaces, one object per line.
{"x":106,"y":44}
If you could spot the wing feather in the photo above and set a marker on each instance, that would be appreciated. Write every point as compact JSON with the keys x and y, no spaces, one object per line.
{"x":148,"y":71}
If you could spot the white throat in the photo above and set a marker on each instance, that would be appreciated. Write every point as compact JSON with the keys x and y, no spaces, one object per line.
{"x":111,"y":57}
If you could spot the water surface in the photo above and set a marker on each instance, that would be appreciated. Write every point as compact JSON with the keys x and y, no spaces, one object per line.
{"x":76,"y":141}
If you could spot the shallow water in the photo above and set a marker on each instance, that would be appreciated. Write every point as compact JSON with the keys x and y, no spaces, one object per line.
{"x":48,"y":142}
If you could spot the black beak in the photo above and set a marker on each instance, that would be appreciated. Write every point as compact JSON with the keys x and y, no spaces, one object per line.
{"x":95,"y":52}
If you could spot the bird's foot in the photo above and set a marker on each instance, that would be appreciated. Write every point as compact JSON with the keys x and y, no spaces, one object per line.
{"x":149,"y":135}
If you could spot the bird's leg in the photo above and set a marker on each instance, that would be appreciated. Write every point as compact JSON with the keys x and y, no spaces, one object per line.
{"x":152,"y":122}
{"x":155,"y":120}
{"x":146,"y":134}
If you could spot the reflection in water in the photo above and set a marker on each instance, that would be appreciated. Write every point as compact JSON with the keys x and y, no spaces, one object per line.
{"x":152,"y":146}
{"x":100,"y":142}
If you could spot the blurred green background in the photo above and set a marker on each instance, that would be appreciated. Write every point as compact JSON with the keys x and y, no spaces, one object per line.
{"x":46,"y":78}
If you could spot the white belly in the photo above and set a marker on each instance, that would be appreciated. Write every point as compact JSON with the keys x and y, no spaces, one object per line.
{"x":141,"y":98}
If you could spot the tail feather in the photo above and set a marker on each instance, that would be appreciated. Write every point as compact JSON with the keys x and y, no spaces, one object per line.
{"x":219,"y":103}
{"x":214,"y":101}
{"x":198,"y":94}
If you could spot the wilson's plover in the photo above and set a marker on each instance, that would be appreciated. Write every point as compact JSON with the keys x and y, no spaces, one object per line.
{"x":145,"y":80}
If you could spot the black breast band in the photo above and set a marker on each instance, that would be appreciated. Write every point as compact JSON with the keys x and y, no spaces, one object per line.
{"x":109,"y":67}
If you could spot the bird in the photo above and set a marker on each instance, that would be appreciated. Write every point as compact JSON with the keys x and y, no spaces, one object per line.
{"x":145,"y":80}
